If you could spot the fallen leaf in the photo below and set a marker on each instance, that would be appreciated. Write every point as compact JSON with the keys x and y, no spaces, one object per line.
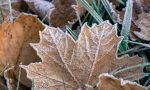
{"x":42,"y":8}
{"x":15,"y":38}
{"x":31,"y":26}
{"x":62,"y":13}
{"x":5,"y":14}
{"x":143,"y":23}
{"x":109,"y":82}
{"x":146,"y":5}
{"x":11,"y":38}
{"x":139,"y":30}
{"x":58,"y":12}
{"x":19,"y":5}
{"x":72,"y":64}
{"x":11,"y":81}
{"x":9,"y":76}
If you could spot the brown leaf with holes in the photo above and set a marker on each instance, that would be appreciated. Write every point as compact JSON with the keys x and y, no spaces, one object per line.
{"x":77,"y":63}
{"x":109,"y":82}
{"x":15,"y":38}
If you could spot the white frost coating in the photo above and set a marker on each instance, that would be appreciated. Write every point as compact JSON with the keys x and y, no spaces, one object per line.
{"x":123,"y":82}
{"x":37,"y":7}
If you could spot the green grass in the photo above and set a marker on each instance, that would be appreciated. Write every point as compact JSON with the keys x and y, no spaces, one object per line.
{"x":10,"y":10}
{"x":72,"y":33}
{"x":131,"y":67}
{"x":1,"y":15}
{"x":2,"y":72}
{"x":32,"y":88}
{"x":125,"y":32}
{"x":19,"y":77}
{"x":91,"y":10}
{"x":110,"y":11}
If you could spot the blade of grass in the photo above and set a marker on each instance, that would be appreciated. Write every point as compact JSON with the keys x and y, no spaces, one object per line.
{"x":126,"y":25}
{"x":6,"y":66}
{"x":94,"y":5}
{"x":64,"y":85}
{"x":110,"y":10}
{"x":138,"y":43}
{"x":131,"y":67}
{"x":121,"y":2}
{"x":85,"y":18}
{"x":1,"y":14}
{"x":147,"y":81}
{"x":133,"y":50}
{"x":101,"y":10}
{"x":131,"y":76}
{"x":46,"y":16}
{"x":91,"y":10}
{"x":145,"y":57}
{"x":10,"y":10}
{"x":127,"y":20}
{"x":19,"y":76}
{"x":32,"y":88}
{"x":98,"y":3}
{"x":79,"y":19}
{"x":72,"y":33}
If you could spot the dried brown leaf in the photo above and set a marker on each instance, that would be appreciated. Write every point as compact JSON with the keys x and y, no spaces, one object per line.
{"x":41,"y":8}
{"x":62,"y":13}
{"x":109,"y":82}
{"x":11,"y":38}
{"x":11,"y":81}
{"x":5,"y":14}
{"x":58,"y":12}
{"x":77,"y":63}
{"x":143,"y":23}
{"x":15,"y":38}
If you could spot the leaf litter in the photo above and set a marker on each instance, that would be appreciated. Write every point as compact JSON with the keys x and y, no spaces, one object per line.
{"x":60,"y":62}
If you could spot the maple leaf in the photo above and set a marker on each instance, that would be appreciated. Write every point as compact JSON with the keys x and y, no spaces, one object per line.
{"x":77,"y":63}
